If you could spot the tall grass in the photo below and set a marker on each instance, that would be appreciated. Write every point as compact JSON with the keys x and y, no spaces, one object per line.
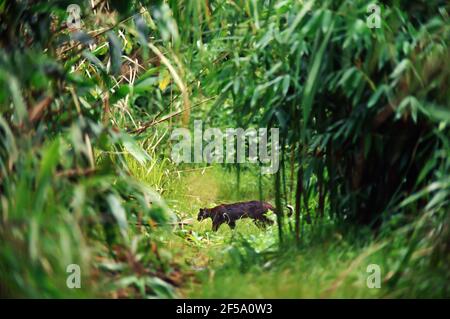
{"x":85,"y":176}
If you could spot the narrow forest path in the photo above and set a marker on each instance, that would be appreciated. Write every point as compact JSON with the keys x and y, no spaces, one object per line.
{"x":247,"y":262}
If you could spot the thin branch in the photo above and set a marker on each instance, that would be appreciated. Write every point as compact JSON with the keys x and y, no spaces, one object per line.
{"x":154,"y":122}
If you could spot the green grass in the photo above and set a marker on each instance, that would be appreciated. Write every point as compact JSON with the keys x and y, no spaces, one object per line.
{"x":363,"y":120}
{"x":331,"y":262}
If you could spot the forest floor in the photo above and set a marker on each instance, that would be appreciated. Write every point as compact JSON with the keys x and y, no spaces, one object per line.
{"x":248,"y":262}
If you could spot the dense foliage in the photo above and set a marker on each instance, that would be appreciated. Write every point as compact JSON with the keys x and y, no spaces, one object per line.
{"x":364,"y":118}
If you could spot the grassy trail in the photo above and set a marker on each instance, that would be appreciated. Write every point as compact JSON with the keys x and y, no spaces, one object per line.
{"x":246,"y":262}
{"x":331,"y":262}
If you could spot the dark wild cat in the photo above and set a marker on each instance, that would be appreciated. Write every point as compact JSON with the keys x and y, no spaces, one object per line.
{"x":229,"y":213}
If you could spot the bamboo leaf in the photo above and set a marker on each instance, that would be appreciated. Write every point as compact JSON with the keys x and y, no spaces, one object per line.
{"x":118,"y":212}
{"x":115,"y":52}
{"x":312,"y":80}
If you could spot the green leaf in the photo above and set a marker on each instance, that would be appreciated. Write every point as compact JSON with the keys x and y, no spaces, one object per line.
{"x":50,"y":158}
{"x":286,"y":82}
{"x":161,"y":288}
{"x":376,"y":96}
{"x":94,"y":60}
{"x":8,"y":143}
{"x":135,"y":150}
{"x":118,"y":213}
{"x":146,"y":85}
{"x":306,"y":7}
{"x":49,"y":161}
{"x":115,"y":52}
{"x":19,"y":103}
{"x":312,"y":81}
{"x":400,"y":68}
{"x":438,"y":113}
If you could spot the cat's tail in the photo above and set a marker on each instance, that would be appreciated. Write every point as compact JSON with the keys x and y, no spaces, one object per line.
{"x":289,"y":207}
{"x":291,"y":210}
